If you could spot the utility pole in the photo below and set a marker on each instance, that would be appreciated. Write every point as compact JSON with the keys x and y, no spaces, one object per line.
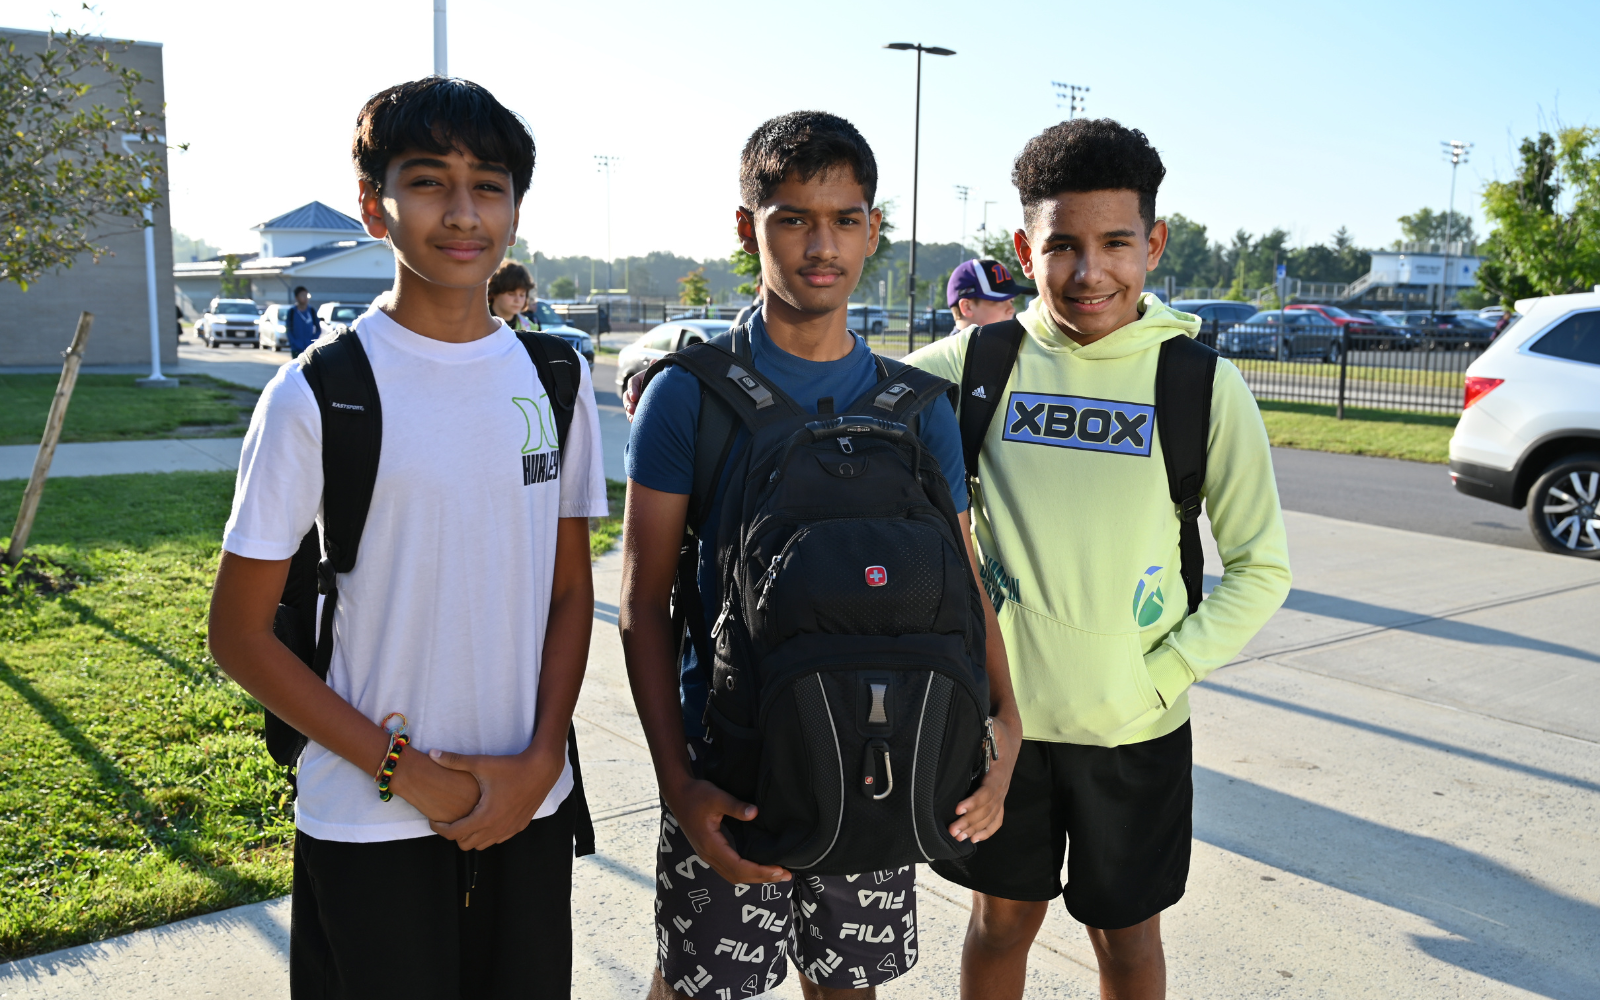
{"x":1456,"y":151}
{"x":961,"y":192}
{"x":1072,"y":95}
{"x":916,"y":153}
{"x":604,"y":165}
{"x":440,"y":48}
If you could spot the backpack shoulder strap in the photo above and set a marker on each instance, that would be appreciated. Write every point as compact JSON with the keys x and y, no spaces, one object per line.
{"x":1184,"y":376}
{"x":991,"y":354}
{"x":341,"y":379}
{"x":557,"y":364}
{"x":902,"y":392}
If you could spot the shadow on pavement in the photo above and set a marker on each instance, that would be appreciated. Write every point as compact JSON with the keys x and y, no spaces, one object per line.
{"x":1502,"y":925}
{"x":1212,"y":684}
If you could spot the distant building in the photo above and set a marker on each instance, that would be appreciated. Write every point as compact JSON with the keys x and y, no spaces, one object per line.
{"x":36,"y":325}
{"x":316,"y":246}
{"x":1413,"y":276}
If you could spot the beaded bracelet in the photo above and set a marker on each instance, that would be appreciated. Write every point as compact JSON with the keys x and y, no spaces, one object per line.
{"x":397,"y":742}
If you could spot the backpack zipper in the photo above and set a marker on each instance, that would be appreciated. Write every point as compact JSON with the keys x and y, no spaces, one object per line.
{"x":770,"y":577}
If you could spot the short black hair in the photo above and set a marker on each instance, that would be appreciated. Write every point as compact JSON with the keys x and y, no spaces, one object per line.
{"x":441,"y":115}
{"x":301,"y":288}
{"x":1088,"y":154}
{"x":803,"y":143}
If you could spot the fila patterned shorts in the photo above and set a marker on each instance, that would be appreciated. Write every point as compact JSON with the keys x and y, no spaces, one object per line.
{"x":722,"y":941}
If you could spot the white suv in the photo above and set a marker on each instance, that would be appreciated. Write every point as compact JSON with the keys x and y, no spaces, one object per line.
{"x":229,"y":321}
{"x":1530,"y":426}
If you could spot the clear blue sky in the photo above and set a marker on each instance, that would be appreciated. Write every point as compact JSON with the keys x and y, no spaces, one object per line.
{"x":1306,"y":116}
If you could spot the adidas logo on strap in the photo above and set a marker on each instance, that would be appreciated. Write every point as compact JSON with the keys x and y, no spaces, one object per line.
{"x":979,"y":393}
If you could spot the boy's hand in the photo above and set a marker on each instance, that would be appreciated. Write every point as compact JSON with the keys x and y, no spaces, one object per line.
{"x":630,"y":395}
{"x":440,"y":794}
{"x":980,"y":814}
{"x":512,"y":789}
{"x":699,"y":807}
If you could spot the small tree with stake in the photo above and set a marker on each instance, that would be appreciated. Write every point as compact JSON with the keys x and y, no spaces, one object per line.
{"x":68,"y":180}
{"x":696,"y":290}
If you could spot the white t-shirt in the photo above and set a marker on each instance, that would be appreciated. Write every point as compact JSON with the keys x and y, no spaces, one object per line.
{"x":443,"y":617}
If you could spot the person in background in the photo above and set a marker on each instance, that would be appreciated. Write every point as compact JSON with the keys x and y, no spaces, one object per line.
{"x":510,"y":292}
{"x":980,"y":292}
{"x":304,"y":326}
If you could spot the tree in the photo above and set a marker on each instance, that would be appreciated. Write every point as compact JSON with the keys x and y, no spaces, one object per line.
{"x":882,"y":257}
{"x":746,"y":265}
{"x":186,"y":248}
{"x":1427,"y":226}
{"x":233,"y":287}
{"x":1547,"y":220}
{"x":1188,"y":256}
{"x":65,"y":180}
{"x":563,"y":287}
{"x":696,"y":290}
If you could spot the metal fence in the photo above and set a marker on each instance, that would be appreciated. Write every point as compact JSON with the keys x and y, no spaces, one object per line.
{"x":1372,"y":368}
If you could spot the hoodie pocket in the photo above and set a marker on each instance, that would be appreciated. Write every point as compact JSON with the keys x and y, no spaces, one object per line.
{"x":1074,"y":686}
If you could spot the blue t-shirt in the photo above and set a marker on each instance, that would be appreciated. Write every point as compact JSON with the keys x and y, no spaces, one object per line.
{"x":661,"y":452}
{"x":302,"y":330}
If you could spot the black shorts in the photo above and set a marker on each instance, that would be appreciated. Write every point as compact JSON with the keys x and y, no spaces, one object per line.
{"x":1127,"y":813}
{"x":714,"y":939}
{"x":423,"y":918}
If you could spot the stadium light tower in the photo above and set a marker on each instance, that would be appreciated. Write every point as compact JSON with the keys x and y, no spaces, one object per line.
{"x":916,"y":151}
{"x":962,"y":191}
{"x":1456,"y":152}
{"x":1070,"y":96}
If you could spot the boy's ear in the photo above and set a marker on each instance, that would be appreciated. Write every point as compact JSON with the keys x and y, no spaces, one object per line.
{"x":874,"y":227}
{"x":1019,"y":240}
{"x":745,"y":224}
{"x":1157,"y":244}
{"x":372,"y":217}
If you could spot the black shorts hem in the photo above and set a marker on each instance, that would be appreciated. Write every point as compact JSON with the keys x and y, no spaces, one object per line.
{"x":950,"y":873}
{"x":1120,"y":921}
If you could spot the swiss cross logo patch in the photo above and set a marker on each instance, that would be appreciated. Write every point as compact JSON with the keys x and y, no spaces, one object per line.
{"x":877,"y":576}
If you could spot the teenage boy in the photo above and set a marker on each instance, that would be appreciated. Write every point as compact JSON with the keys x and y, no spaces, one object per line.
{"x":468,"y":610}
{"x":304,"y":326}
{"x":807,"y":182}
{"x":979,"y":292}
{"x":1080,"y":544}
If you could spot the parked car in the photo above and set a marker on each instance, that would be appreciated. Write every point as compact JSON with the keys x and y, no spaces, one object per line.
{"x":938,"y":322}
{"x":1529,"y":434}
{"x":1448,"y":330}
{"x":1215,"y":315}
{"x":662,"y":341}
{"x":272,"y":327}
{"x":550,"y":321}
{"x":337,"y":316}
{"x":228,"y":321}
{"x":1282,"y":336}
{"x":1392,"y":334}
{"x":869,"y":321}
{"x":1348,"y":323}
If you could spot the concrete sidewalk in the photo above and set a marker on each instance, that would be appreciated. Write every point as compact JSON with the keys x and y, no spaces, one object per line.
{"x":106,"y":458}
{"x":1397,"y":795}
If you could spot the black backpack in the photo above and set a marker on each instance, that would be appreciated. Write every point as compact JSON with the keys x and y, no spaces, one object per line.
{"x":848,"y":696}
{"x":341,"y":379}
{"x":1184,"y":374}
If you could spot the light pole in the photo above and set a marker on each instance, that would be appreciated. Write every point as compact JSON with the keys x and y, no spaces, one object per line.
{"x":440,"y":49}
{"x":916,"y":154}
{"x":1456,"y":151}
{"x":984,"y":228}
{"x":605,"y":163}
{"x":961,"y":192}
{"x":156,"y":379}
{"x":1072,"y":94}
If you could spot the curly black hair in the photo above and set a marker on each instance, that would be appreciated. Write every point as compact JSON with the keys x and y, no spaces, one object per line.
{"x":438,"y":115}
{"x":1088,"y":154}
{"x":804,"y":143}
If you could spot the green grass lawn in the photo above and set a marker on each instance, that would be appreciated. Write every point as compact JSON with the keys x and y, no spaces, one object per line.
{"x":134,"y":786}
{"x":604,"y":532}
{"x":1417,"y":437}
{"x":113,"y":408}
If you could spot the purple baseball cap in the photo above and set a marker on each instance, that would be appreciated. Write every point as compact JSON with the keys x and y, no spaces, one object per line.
{"x":982,"y":279}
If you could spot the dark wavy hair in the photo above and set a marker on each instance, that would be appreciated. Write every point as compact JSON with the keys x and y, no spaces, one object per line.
{"x":440,"y":115}
{"x":1088,"y":154}
{"x":803,"y":143}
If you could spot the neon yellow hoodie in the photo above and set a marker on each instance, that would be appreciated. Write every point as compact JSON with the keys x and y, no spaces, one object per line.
{"x":1080,"y":546}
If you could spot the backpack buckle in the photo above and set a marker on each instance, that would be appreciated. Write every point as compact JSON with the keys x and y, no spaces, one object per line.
{"x":327,"y":577}
{"x":1189,"y":508}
